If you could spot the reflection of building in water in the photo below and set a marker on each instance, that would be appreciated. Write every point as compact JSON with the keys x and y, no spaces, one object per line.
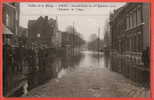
{"x":71,"y":43}
{"x":55,"y":67}
{"x":130,"y":36}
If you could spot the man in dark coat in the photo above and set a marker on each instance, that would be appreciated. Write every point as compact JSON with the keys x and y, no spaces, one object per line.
{"x":146,"y":57}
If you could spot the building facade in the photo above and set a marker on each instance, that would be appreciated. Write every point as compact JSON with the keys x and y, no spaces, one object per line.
{"x":43,"y":31}
{"x":130,"y":36}
{"x":130,"y":28}
{"x":11,"y":14}
{"x":12,"y":53}
{"x":10,"y":18}
{"x":56,"y":37}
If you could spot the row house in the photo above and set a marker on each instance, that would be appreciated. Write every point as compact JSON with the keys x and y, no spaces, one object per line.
{"x":130,"y":28}
{"x":130,"y":37}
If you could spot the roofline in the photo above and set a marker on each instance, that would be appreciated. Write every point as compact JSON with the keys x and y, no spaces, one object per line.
{"x":10,"y":5}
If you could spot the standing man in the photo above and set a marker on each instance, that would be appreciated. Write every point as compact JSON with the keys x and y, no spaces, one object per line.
{"x":146,"y":57}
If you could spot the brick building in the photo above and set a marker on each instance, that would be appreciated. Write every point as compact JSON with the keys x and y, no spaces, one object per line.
{"x":130,"y":36}
{"x":130,"y":28}
{"x":43,"y":31}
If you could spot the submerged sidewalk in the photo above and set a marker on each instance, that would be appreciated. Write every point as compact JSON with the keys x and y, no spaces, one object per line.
{"x":89,"y":81}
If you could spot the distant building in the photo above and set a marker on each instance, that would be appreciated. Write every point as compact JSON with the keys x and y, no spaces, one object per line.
{"x":23,"y":31}
{"x":66,"y":39}
{"x":56,"y":37}
{"x":44,"y":31}
{"x":67,"y":43}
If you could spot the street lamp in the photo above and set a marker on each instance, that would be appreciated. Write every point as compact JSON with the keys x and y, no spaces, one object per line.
{"x":38,"y":35}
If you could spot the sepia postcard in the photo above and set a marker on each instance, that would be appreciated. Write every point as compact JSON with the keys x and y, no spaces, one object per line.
{"x":76,"y":49}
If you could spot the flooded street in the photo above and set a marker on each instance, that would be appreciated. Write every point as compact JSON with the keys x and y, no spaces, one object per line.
{"x":85,"y":75}
{"x":74,"y":49}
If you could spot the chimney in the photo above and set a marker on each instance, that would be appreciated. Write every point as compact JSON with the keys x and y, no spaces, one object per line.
{"x":46,"y":18}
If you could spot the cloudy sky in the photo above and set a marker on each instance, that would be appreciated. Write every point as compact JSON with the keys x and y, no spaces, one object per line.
{"x":87,"y":17}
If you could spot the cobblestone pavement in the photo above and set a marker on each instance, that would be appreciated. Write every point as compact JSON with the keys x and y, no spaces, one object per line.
{"x":88,"y":80}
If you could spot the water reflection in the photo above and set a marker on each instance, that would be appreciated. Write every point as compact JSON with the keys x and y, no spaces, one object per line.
{"x":107,"y":60}
{"x":92,"y":59}
{"x":119,"y":64}
{"x":54,"y":67}
{"x":59,"y":66}
{"x":128,"y":67}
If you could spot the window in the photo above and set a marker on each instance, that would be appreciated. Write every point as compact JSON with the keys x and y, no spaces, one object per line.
{"x":131,"y":20}
{"x":133,"y":43}
{"x":127,"y":21}
{"x":139,"y":15}
{"x":125,"y":46}
{"x":130,"y":44}
{"x":134,"y":18}
{"x":7,"y":20}
{"x":136,"y":42}
{"x":139,"y":41}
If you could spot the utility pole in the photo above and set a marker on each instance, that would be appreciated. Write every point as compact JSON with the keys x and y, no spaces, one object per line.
{"x":98,"y":42}
{"x":56,"y":32}
{"x":73,"y":38}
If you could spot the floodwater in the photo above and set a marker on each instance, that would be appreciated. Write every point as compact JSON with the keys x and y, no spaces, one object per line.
{"x":87,"y":74}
